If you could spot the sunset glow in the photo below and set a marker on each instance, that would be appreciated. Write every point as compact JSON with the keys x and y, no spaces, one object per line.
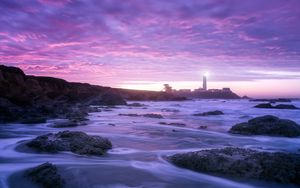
{"x":245,"y":45}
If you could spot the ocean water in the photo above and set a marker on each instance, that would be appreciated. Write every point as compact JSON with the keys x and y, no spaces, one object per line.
{"x":140,"y":145}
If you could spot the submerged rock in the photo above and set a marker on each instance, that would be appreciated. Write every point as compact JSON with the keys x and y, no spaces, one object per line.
{"x":267,"y":125}
{"x":210,"y":113}
{"x":153,"y":116}
{"x":279,"y":106}
{"x":263,"y":105}
{"x":173,"y":124}
{"x":271,"y":100}
{"x":74,"y":141}
{"x":131,"y":115}
{"x":246,"y":163}
{"x":202,"y":127}
{"x":285,"y":106}
{"x":45,"y":175}
{"x":136,"y":104}
{"x":143,"y":115}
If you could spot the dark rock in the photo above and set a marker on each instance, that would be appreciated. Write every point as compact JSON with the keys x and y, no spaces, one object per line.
{"x":202,"y":127}
{"x":144,"y":115}
{"x":245,"y":97}
{"x":76,"y":142}
{"x":285,"y":106}
{"x":45,"y":175}
{"x":153,"y":116}
{"x":173,"y":124}
{"x":267,"y":125}
{"x":34,"y":120}
{"x":210,"y":113}
{"x":271,"y":100}
{"x":136,"y":104}
{"x":246,"y":163}
{"x":131,"y":115}
{"x":263,"y":105}
{"x":109,"y":99}
{"x":279,"y":106}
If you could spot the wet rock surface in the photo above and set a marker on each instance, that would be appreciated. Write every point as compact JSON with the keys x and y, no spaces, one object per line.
{"x":153,"y":116}
{"x":279,"y":106}
{"x":210,"y":113}
{"x":45,"y":175}
{"x":246,"y":163}
{"x":136,"y":104}
{"x":173,"y":124}
{"x":158,"y":116}
{"x":267,"y":125}
{"x":74,"y":141}
{"x":271,"y":100}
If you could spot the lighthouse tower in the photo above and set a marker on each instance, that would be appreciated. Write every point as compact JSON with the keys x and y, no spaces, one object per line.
{"x":204,"y":82}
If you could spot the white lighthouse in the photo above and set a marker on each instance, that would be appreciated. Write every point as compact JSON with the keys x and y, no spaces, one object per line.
{"x":205,"y":81}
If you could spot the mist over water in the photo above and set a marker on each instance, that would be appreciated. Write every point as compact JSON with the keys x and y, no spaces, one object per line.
{"x":140,"y":145}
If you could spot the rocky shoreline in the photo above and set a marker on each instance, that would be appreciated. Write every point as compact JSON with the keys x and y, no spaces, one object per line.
{"x":34,"y":99}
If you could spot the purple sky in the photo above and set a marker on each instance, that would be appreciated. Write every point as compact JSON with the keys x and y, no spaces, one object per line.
{"x":252,"y":46}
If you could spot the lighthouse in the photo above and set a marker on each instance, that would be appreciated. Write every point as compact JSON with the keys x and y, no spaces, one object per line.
{"x":204,"y":82}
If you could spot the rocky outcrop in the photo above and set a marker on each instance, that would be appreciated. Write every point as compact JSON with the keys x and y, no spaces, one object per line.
{"x":33,"y":99}
{"x":76,"y":142}
{"x":210,"y":113}
{"x":267,"y":125}
{"x":286,"y":106}
{"x":279,"y":106}
{"x":45,"y":175}
{"x":271,"y":100}
{"x":263,"y":105}
{"x":246,"y":163}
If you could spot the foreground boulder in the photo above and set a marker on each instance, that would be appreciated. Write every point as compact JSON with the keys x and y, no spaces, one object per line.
{"x":74,"y":141}
{"x":246,"y":163}
{"x":46,"y":176}
{"x":210,"y":113}
{"x":279,"y":106}
{"x":267,"y":125}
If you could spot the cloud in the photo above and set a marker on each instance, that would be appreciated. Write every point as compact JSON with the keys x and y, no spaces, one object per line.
{"x":160,"y":40}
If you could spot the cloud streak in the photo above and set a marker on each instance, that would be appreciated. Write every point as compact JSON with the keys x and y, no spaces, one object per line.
{"x":112,"y":41}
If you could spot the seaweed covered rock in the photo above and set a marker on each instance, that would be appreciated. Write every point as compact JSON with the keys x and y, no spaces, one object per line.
{"x":246,"y":163}
{"x":45,"y":175}
{"x":267,"y":125}
{"x":74,"y":141}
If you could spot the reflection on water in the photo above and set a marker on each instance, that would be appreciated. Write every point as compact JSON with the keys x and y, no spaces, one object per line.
{"x":140,"y":144}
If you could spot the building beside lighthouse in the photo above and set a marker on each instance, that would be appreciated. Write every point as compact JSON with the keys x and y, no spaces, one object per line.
{"x":202,"y":92}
